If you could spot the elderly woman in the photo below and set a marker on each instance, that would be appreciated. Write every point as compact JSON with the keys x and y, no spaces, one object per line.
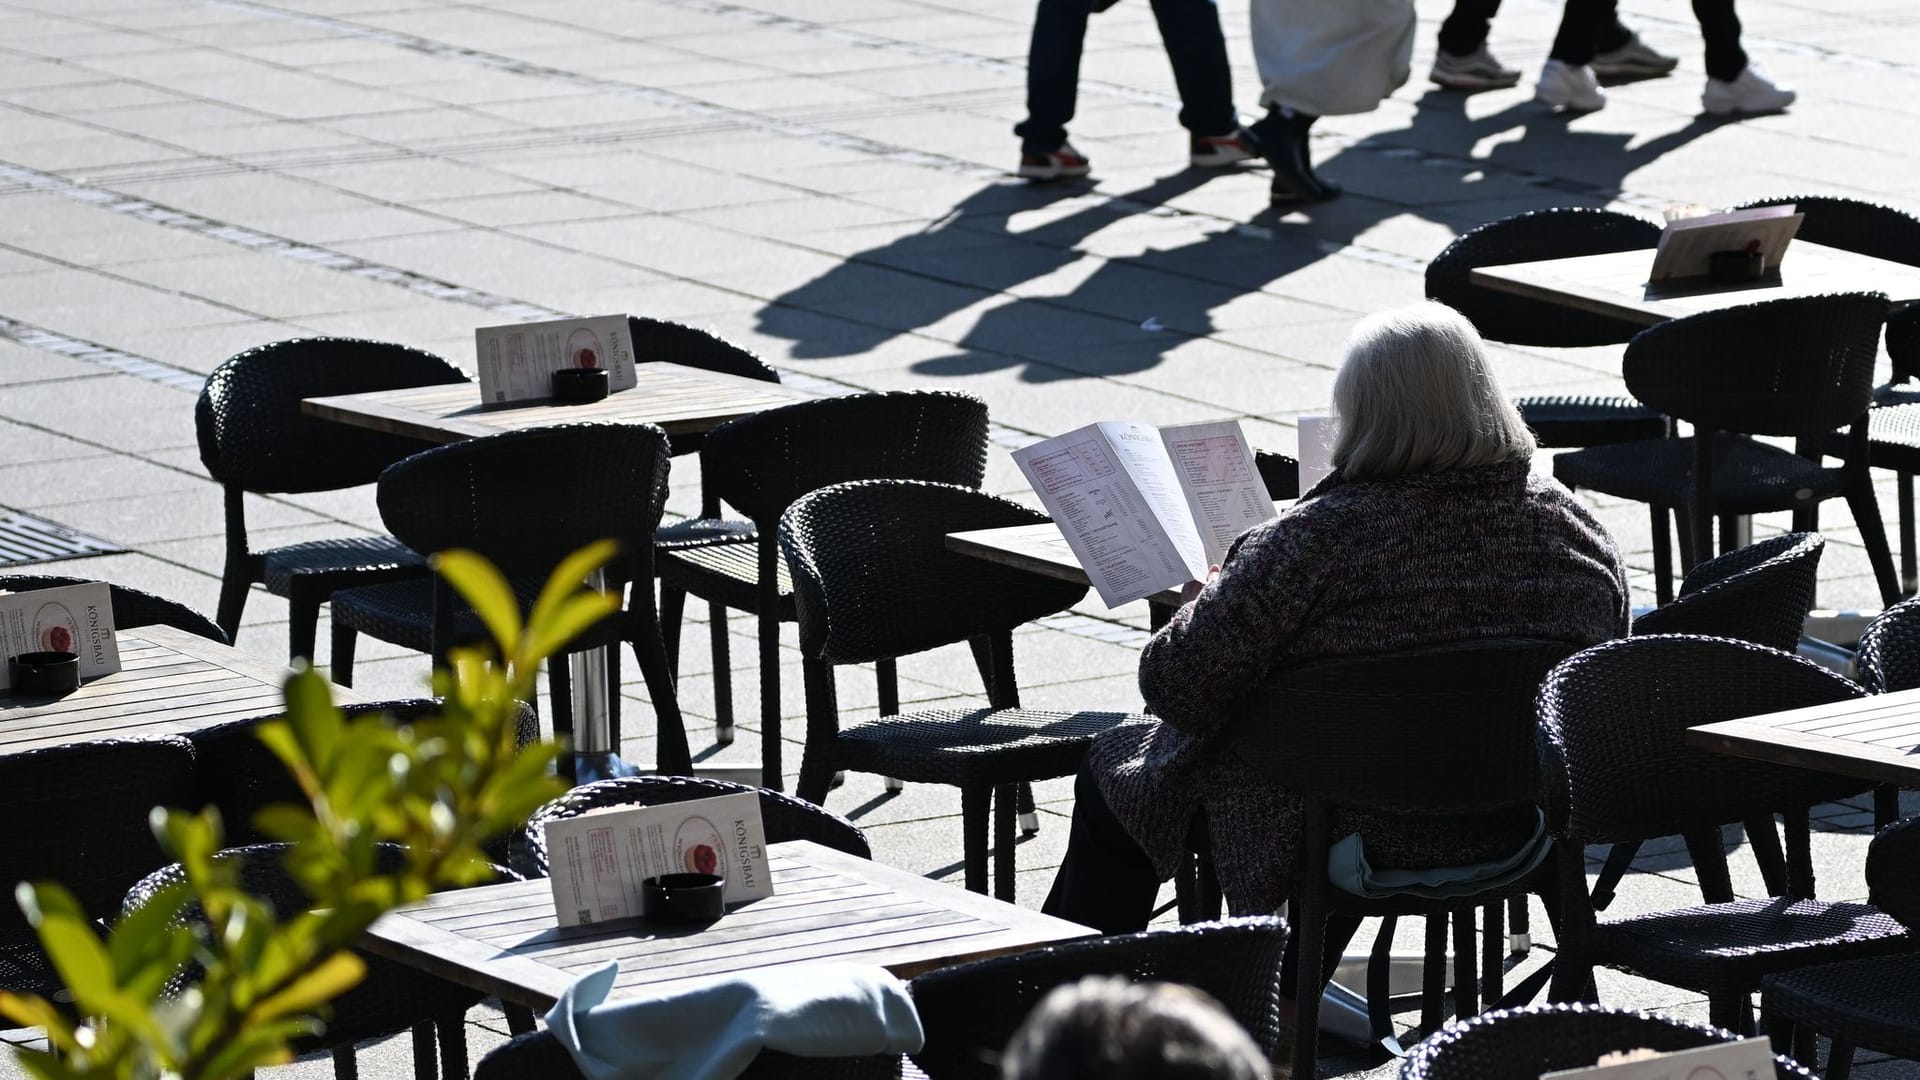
{"x":1432,"y":528}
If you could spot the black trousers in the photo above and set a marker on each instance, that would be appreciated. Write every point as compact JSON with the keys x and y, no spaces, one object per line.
{"x":1465,"y":29}
{"x":1584,"y":30}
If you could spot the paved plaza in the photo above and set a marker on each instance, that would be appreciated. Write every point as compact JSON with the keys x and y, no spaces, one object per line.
{"x":827,"y":183}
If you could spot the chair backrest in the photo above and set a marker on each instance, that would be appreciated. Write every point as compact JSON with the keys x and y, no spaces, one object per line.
{"x":785,"y":817}
{"x":1279,"y":472}
{"x":1521,"y":1044}
{"x":873,"y":579}
{"x":527,"y":499}
{"x":1557,"y":233}
{"x":132,"y":608}
{"x":235,"y":772}
{"x":92,"y":799}
{"x":537,"y":1055}
{"x":674,"y":343}
{"x":1893,"y":871}
{"x":1759,"y":593}
{"x":970,"y":1011}
{"x":759,"y":464}
{"x":1796,"y":366}
{"x":1445,"y":730}
{"x":1613,"y":735}
{"x":253,"y":435}
{"x":1889,"y":653}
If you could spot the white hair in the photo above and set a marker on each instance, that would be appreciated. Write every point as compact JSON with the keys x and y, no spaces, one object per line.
{"x":1417,"y":394}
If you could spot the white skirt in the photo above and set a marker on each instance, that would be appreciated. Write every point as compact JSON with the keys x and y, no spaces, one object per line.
{"x":1331,"y":57}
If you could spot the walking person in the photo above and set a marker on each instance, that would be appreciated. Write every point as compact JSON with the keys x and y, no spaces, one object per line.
{"x":1190,"y":30}
{"x":1464,"y":62}
{"x":1570,"y":80}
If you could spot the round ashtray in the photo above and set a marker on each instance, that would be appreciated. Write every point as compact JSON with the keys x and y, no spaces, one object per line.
{"x":44,"y":674}
{"x":683,"y":897}
{"x":578,"y":385}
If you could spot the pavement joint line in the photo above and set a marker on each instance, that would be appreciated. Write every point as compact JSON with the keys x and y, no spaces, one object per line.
{"x":153,"y":371}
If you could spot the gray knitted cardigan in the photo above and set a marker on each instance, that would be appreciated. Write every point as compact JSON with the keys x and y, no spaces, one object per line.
{"x":1353,"y":568}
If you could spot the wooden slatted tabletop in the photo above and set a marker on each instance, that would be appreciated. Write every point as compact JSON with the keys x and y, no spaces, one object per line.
{"x":1616,"y":284}
{"x":827,"y":905}
{"x":1040,"y":549}
{"x":682,"y":400}
{"x":170,"y":682}
{"x":1873,"y":738}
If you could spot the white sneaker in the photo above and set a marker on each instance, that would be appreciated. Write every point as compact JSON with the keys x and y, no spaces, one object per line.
{"x":1752,"y":92}
{"x":1564,"y":86}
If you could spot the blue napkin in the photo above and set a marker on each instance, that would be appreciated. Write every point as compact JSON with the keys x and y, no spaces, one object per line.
{"x":716,"y":1029}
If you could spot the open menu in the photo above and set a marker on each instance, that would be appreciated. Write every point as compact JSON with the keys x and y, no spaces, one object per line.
{"x":1746,"y":1059}
{"x":517,"y":362}
{"x":1687,"y":243}
{"x":68,"y":618}
{"x":1144,"y":508}
{"x":597,"y":861}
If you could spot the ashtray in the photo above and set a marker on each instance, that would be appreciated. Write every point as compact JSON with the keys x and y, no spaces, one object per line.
{"x":1736,"y":265}
{"x":683,"y":897}
{"x":579,"y":385}
{"x":44,"y":674}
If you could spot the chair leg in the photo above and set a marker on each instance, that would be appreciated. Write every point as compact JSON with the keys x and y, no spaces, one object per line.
{"x":453,"y":1046}
{"x":1839,"y":1059}
{"x":1380,"y":988}
{"x":1873,"y":534}
{"x":975,"y":805}
{"x":519,"y":1018}
{"x":1029,"y":811}
{"x":1466,"y":981}
{"x":1433,"y":975}
{"x":1730,"y":1011}
{"x":1710,"y":862}
{"x":722,"y":648}
{"x":1004,"y":798}
{"x":560,"y":696}
{"x":1310,"y":928}
{"x":1662,"y":556}
{"x":234,"y":587}
{"x":425,"y":1065}
{"x":1493,"y":969}
{"x":1764,"y":839}
{"x":673,"y":756}
{"x":347,"y":1067}
{"x":673,"y":606}
{"x":1909,"y":548}
{"x":1886,"y":805}
{"x":341,"y":654}
{"x":1519,"y":929}
{"x":770,"y":767}
{"x":303,"y":621}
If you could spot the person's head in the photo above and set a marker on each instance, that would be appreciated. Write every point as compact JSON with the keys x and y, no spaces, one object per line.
{"x":1417,"y":394}
{"x":1106,"y":1028}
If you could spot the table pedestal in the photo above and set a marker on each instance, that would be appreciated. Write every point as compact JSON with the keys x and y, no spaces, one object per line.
{"x":594,"y":755}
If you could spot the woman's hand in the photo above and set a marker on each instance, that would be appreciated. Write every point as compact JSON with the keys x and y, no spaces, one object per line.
{"x":1192,"y":588}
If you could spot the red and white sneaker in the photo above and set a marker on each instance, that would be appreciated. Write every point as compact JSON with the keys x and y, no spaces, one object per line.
{"x":1219,"y":151}
{"x":1060,"y":164}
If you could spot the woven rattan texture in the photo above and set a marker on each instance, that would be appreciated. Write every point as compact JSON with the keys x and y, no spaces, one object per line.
{"x":338,"y":562}
{"x":970,"y":1011}
{"x":1539,"y":234}
{"x":131,"y":607}
{"x":785,"y":817}
{"x":251,"y":430}
{"x":1759,"y":593}
{"x":1561,"y":420}
{"x":1873,"y":1003}
{"x":1613,"y":728}
{"x":1893,"y":871}
{"x":1725,"y":948}
{"x":674,"y":343}
{"x":401,"y":612}
{"x":976,"y":746}
{"x":1893,"y":432}
{"x":1749,"y":477}
{"x":1521,"y":1044}
{"x":537,"y":1055}
{"x":1889,"y":654}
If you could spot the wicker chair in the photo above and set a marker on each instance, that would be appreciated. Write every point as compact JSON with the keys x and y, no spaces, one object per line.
{"x":1279,"y":472}
{"x":526,"y":500}
{"x":253,"y":438}
{"x":874,"y":580}
{"x":1759,"y":593}
{"x":1420,"y":735}
{"x":1872,"y":1003}
{"x":392,"y":997}
{"x":1798,"y":367}
{"x":539,"y":1056}
{"x":785,"y":817}
{"x":96,"y":796}
{"x":1522,"y":1044}
{"x":758,"y":465}
{"x":1614,"y":720}
{"x":132,"y":608}
{"x":1558,"y":421}
{"x":971,"y":1011}
{"x":1888,"y":658}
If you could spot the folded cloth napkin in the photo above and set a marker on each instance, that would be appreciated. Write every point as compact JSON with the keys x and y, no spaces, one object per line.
{"x":715,"y":1029}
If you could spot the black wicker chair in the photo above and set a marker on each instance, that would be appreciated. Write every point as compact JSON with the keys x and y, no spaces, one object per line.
{"x":390,"y":998}
{"x":785,"y":817}
{"x":538,"y":1055}
{"x":1614,"y":720}
{"x":1798,"y":367}
{"x":1424,"y":739}
{"x":1888,"y":657}
{"x":758,"y":465}
{"x":1759,"y":593}
{"x":132,"y":608}
{"x":873,"y":580}
{"x":1562,"y":232}
{"x":526,"y":500}
{"x":253,"y":438}
{"x":1279,"y":472}
{"x":81,"y":820}
{"x":1874,"y":1003}
{"x":971,"y":1011}
{"x":1523,"y":1044}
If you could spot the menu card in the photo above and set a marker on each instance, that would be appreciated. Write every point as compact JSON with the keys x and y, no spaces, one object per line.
{"x":1688,"y":242}
{"x":1747,"y":1059}
{"x":597,"y":861}
{"x":68,"y":618}
{"x":517,"y":361}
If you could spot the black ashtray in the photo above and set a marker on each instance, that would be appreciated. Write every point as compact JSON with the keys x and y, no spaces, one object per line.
{"x":683,"y":897}
{"x":1736,"y":266}
{"x":579,"y":385}
{"x":44,"y":674}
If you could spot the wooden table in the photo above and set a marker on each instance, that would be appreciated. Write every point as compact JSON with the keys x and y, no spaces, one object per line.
{"x":681,"y":400}
{"x":1875,"y":738}
{"x":827,"y":905}
{"x":1040,"y":549}
{"x":1616,"y":284}
{"x":170,"y":682}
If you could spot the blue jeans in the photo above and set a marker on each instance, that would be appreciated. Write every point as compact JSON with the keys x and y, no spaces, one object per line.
{"x":1189,"y":28}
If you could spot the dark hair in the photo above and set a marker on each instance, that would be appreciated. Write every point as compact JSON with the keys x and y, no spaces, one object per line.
{"x":1106,"y":1028}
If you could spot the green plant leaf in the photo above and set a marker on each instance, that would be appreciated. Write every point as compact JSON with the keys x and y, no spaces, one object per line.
{"x":140,"y":935}
{"x":70,"y":941}
{"x":569,"y":578}
{"x":334,"y":976}
{"x":30,"y":1011}
{"x":482,"y":586}
{"x":569,"y":619}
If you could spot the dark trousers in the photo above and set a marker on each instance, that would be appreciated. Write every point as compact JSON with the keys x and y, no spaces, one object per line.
{"x":1190,"y":29}
{"x":1590,"y":26}
{"x":1465,"y":29}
